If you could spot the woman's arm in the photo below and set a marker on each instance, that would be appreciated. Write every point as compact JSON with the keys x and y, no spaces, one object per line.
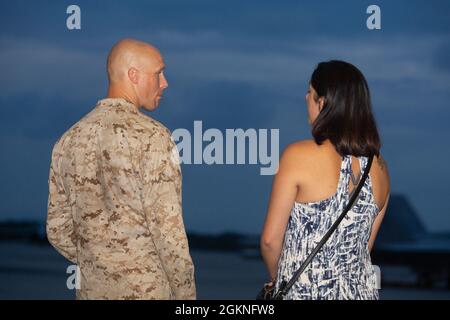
{"x":377,"y":223}
{"x":284,"y":192}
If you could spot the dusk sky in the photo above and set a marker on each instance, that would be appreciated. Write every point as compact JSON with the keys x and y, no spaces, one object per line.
{"x":230,"y":64}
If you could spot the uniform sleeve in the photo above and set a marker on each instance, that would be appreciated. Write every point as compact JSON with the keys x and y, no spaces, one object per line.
{"x":60,"y":231}
{"x":163,"y":210}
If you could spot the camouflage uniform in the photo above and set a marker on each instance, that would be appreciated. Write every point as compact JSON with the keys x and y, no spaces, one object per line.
{"x":114,"y":206}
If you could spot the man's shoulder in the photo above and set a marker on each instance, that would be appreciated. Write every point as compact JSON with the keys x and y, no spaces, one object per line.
{"x":80,"y":133}
{"x":155,"y":135}
{"x":103,"y":125}
{"x":78,"y":127}
{"x":152,"y":125}
{"x":66,"y":136}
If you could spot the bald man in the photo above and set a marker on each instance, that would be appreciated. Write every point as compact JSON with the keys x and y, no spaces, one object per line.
{"x":114,"y":205}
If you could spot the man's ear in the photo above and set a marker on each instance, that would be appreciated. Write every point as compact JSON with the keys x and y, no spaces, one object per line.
{"x":133,"y":75}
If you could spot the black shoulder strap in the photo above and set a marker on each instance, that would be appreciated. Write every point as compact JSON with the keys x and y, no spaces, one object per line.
{"x":284,"y":287}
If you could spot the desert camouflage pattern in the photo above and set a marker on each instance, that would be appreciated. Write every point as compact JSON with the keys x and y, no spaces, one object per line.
{"x":114,"y":206}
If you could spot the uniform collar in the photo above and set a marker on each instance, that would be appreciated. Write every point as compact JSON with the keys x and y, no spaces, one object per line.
{"x":119,"y":103}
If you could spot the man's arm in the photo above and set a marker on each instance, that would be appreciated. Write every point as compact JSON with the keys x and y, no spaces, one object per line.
{"x":60,"y":232}
{"x":163,"y":209}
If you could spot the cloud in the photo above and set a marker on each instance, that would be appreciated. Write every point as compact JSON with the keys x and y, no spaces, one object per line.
{"x":442,"y":57}
{"x":47,"y":69}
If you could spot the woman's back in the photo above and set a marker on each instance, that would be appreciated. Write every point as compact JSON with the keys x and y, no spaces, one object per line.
{"x":319,"y":169}
{"x":342,"y":269}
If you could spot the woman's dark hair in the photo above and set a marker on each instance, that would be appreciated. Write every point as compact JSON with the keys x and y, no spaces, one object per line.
{"x":346,"y":117}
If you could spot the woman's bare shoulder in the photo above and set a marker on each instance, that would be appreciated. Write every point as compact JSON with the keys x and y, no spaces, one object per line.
{"x":380,"y":180}
{"x":382,"y":169}
{"x":298,"y":150}
{"x":293,"y":157}
{"x":300,"y":147}
{"x":296,"y":154}
{"x":381,"y":162}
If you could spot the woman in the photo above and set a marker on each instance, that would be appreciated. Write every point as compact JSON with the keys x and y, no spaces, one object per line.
{"x":312,"y":187}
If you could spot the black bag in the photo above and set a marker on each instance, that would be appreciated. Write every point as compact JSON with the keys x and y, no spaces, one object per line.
{"x":268,"y":292}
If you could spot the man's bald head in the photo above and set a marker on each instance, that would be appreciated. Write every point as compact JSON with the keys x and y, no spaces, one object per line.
{"x":135,"y":71}
{"x":130,"y":53}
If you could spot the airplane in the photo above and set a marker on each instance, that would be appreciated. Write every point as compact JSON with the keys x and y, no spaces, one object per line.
{"x":403,"y":240}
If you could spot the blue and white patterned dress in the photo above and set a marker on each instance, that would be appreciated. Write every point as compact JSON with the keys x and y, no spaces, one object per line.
{"x":342,"y":269}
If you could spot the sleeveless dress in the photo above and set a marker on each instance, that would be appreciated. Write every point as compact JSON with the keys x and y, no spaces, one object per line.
{"x":342,"y":269}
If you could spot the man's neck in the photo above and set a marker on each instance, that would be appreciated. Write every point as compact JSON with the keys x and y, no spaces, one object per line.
{"x":115,"y":93}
